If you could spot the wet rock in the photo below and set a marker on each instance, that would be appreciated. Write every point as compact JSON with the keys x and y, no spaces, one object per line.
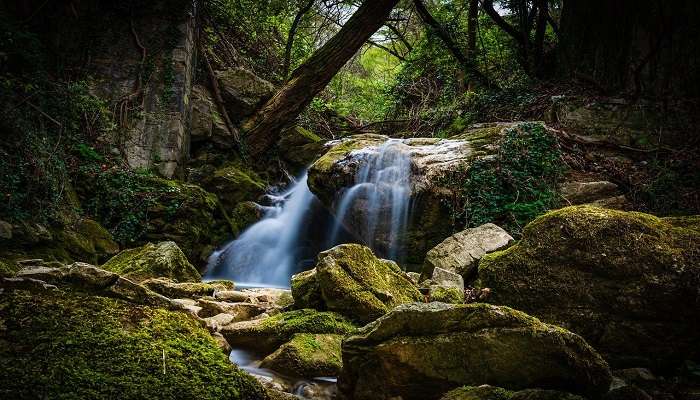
{"x":419,"y":351}
{"x":164,"y":259}
{"x":233,"y":184}
{"x":266,"y":335}
{"x":461,"y":252}
{"x":307,"y":355}
{"x":486,"y":392}
{"x":625,"y":281}
{"x":299,"y":147}
{"x":239,"y":311}
{"x":430,"y":159}
{"x":357,"y":284}
{"x":221,"y":342}
{"x":186,"y":290}
{"x":243,"y":91}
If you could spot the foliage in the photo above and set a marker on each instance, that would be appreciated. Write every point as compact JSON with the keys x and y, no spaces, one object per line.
{"x":516,"y":185}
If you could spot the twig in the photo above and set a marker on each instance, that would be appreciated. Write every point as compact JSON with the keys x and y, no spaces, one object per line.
{"x":50,"y":118}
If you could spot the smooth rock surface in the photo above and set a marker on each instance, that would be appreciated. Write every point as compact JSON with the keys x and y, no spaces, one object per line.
{"x":461,"y":252}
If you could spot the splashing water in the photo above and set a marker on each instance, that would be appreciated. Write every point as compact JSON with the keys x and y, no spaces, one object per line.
{"x":267,"y":253}
{"x":380,"y":198}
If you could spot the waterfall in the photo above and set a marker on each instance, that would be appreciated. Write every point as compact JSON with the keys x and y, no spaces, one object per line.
{"x":380,"y":196}
{"x":295,"y":228}
{"x":268,"y":252}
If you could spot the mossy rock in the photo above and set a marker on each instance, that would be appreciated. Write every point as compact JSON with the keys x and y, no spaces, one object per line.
{"x":446,"y":294}
{"x":357,"y":284}
{"x":307,"y":355}
{"x":420,"y":351}
{"x":306,"y":291}
{"x":299,"y":147}
{"x":63,"y":344}
{"x":625,"y":281}
{"x":266,"y":335}
{"x":244,"y":215}
{"x":7,"y":268}
{"x":486,"y":392}
{"x":234,"y":184}
{"x":162,"y":260}
{"x":186,"y":290}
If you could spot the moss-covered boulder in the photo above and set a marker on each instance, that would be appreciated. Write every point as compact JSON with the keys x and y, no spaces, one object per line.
{"x":244,"y":215}
{"x":446,"y":294}
{"x":420,"y":351}
{"x":266,"y":335}
{"x":243,"y":91}
{"x":234,"y":183}
{"x":486,"y":392}
{"x":625,"y":281}
{"x":357,"y":284}
{"x":299,"y":147}
{"x":64,"y":344}
{"x":186,"y":290}
{"x":307,"y":355}
{"x":164,"y":259}
{"x":306,"y":291}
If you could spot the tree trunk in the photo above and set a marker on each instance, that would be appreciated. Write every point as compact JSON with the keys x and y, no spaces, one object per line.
{"x":467,"y":65}
{"x":292,"y":33}
{"x":310,"y":78}
{"x":472,"y":21}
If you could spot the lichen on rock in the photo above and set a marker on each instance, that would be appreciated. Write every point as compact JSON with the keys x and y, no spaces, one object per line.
{"x":307,"y":355}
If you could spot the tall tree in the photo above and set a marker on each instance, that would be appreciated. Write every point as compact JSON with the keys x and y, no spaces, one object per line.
{"x":311,"y":77}
{"x":305,"y":8}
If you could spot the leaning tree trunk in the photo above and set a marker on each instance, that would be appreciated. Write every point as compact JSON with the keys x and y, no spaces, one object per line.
{"x":311,"y":77}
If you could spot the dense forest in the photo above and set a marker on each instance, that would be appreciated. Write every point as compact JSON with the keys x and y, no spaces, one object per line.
{"x":351,"y":199}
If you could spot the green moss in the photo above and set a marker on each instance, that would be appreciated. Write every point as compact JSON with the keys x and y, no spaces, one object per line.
{"x":451,"y":295}
{"x":357,"y":284}
{"x":7,"y":268}
{"x":307,"y":355}
{"x":620,"y":272}
{"x":478,"y":393}
{"x":305,"y":290}
{"x":307,"y":321}
{"x":69,"y":346}
{"x":164,"y":259}
{"x":343,"y":148}
{"x":188,"y":290}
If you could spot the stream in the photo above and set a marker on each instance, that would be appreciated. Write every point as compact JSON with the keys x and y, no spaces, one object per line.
{"x":296,"y":227}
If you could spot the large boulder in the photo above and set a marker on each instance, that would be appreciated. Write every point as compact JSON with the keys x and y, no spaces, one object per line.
{"x":190,"y":290}
{"x":207,"y":125}
{"x":267,"y":334}
{"x":307,"y":355}
{"x":68,"y":344}
{"x":461,"y":252}
{"x":299,"y":147}
{"x":243,"y":91}
{"x":234,"y":183}
{"x":420,"y":351}
{"x":625,"y":281}
{"x":164,"y":260}
{"x":355,"y":283}
{"x":432,"y":162}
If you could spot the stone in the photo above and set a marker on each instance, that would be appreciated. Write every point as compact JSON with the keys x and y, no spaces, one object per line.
{"x":239,"y":311}
{"x":446,"y":294}
{"x":221,"y":342}
{"x":443,"y":277}
{"x":586,"y":192}
{"x":307,"y":355}
{"x":622,"y":280}
{"x":234,"y":184}
{"x":461,"y":252}
{"x":420,"y":351}
{"x":299,"y":147}
{"x":5,"y":230}
{"x":486,"y":392}
{"x":208,"y":126}
{"x":162,"y":260}
{"x":243,"y":92}
{"x":357,"y":284}
{"x":99,"y":342}
{"x":232,"y":295}
{"x":267,"y":334}
{"x":192,"y":290}
{"x":244,"y":215}
{"x":306,"y":291}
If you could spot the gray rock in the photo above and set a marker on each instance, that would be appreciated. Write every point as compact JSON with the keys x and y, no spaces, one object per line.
{"x":5,"y":230}
{"x":461,"y":252}
{"x":233,"y":296}
{"x":239,"y":311}
{"x":243,"y":91}
{"x":586,"y":192}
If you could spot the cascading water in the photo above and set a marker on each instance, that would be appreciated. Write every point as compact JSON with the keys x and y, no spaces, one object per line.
{"x":267,"y":253}
{"x":380,"y":198}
